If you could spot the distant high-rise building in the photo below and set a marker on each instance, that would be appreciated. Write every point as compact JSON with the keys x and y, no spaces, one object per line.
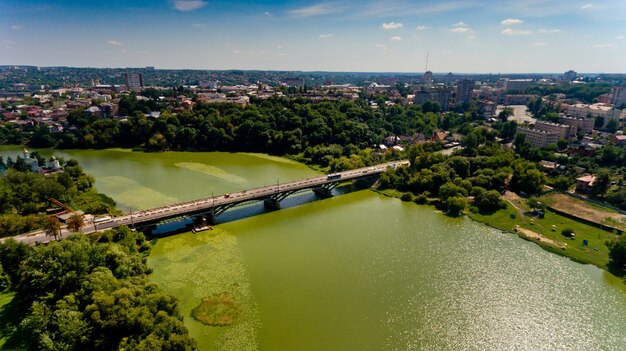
{"x":618,"y":96}
{"x":428,"y":77}
{"x":570,"y":75}
{"x":464,"y":89}
{"x":133,"y":81}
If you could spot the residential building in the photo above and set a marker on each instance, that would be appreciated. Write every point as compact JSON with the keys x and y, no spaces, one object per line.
{"x":562,"y":130}
{"x":538,"y":138}
{"x":518,"y":85}
{"x":464,"y":90}
{"x":584,"y":184}
{"x":618,"y":96}
{"x":576,"y":124}
{"x":294,"y":82}
{"x":487,"y":108}
{"x":594,"y":111}
{"x":619,"y":140}
{"x":570,"y":75}
{"x":512,"y":99}
{"x":133,"y":81}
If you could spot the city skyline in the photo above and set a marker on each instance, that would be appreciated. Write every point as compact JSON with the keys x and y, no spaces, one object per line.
{"x":477,"y":36}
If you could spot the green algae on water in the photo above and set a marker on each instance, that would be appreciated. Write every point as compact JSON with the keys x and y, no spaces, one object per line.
{"x":207,"y":272}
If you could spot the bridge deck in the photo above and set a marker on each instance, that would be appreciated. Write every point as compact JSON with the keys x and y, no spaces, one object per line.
{"x":206,"y":204}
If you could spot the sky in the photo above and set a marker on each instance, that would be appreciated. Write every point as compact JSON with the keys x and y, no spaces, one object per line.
{"x":470,"y":36}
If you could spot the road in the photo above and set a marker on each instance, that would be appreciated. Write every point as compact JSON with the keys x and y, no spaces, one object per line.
{"x":197,"y":206}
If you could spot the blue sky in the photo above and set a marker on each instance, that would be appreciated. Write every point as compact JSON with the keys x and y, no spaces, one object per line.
{"x":392,"y":36}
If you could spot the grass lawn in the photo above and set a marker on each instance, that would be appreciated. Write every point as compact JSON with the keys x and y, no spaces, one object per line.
{"x":595,"y":252}
{"x":10,"y":315}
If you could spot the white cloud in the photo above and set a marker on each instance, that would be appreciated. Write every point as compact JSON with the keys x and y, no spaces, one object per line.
{"x":459,"y":30}
{"x":236,"y":51}
{"x":459,"y":24}
{"x":511,"y":21}
{"x":605,"y":46}
{"x":587,"y":6}
{"x":510,"y":31}
{"x":315,"y":10}
{"x":395,"y":38}
{"x":326,"y":36}
{"x":199,"y":25}
{"x":471,"y":37}
{"x":115,"y":43}
{"x":619,"y":37}
{"x":282,"y":54}
{"x":391,"y":26}
{"x":379,"y":45}
{"x":16,"y":27}
{"x":188,"y":5}
{"x":268,"y":14}
{"x":549,"y":30}
{"x":540,"y":43}
{"x":420,"y":27}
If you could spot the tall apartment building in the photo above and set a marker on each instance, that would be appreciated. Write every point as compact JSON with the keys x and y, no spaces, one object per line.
{"x":441,"y":96}
{"x":464,"y":90}
{"x":576,"y":124}
{"x":133,"y":81}
{"x":538,"y":138}
{"x":570,"y":75}
{"x":618,"y":96}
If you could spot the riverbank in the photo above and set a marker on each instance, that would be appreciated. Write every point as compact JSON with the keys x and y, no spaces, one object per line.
{"x":513,"y":220}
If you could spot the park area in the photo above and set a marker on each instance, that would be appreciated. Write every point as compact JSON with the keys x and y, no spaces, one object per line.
{"x":547,"y":231}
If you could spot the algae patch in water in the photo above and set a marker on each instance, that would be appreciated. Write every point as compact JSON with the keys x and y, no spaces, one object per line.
{"x":207,"y":273}
{"x":217,"y":310}
{"x":212,"y":171}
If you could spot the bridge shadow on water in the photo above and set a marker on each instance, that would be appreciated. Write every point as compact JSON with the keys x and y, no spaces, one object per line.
{"x":249,"y":210}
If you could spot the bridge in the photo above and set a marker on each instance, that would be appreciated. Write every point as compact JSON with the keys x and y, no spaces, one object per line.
{"x":211,"y":207}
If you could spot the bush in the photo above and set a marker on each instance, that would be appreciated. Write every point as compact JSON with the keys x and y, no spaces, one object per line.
{"x":407,"y":197}
{"x":421,"y":199}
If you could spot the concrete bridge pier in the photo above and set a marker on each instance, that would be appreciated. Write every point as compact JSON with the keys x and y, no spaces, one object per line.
{"x":323,"y":192}
{"x":272,"y":204}
{"x":210,"y":217}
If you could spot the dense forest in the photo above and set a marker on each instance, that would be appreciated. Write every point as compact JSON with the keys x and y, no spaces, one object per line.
{"x":82,"y":295}
{"x":25,"y":196}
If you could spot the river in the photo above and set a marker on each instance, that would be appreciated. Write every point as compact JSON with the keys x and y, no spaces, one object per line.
{"x":359,"y":271}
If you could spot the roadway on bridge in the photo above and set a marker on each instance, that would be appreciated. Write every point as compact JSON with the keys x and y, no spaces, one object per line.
{"x":197,"y":206}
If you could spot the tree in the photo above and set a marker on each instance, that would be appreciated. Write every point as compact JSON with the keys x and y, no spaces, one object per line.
{"x":504,"y":114}
{"x":455,"y":205}
{"x":75,"y":223}
{"x":489,"y":201}
{"x":52,"y":227}
{"x":601,"y":184}
{"x":617,"y":254}
{"x":612,"y":125}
